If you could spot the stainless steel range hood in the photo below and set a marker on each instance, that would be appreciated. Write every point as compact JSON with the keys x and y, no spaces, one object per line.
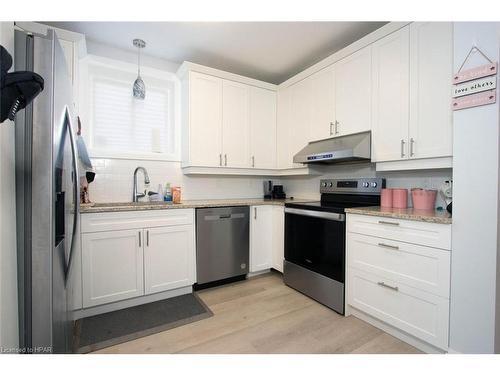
{"x":348,"y":148}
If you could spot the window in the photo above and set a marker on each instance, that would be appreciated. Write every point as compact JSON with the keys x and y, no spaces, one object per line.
{"x":124,"y":127}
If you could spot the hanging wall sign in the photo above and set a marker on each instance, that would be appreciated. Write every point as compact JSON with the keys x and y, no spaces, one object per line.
{"x":479,"y":72}
{"x":476,"y":86}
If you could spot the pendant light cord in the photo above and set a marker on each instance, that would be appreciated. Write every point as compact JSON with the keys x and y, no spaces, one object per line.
{"x":139,"y":61}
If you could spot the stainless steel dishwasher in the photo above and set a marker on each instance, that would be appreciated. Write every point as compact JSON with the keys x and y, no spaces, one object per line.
{"x":222,"y":243}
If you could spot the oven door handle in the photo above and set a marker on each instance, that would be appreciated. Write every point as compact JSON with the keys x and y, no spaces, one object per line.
{"x":319,"y":214}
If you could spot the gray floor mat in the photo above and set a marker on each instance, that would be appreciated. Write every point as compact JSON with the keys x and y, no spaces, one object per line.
{"x":99,"y":331}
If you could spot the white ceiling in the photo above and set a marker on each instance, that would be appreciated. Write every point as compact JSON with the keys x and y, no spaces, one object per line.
{"x":269,"y":51}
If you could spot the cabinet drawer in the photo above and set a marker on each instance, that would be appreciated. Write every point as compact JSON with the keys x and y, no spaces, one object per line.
{"x":420,"y":267}
{"x":420,"y":233}
{"x":106,"y":221}
{"x":418,"y":313}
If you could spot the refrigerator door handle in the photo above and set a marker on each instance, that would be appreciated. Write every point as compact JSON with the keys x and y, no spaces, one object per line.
{"x":76,"y":187}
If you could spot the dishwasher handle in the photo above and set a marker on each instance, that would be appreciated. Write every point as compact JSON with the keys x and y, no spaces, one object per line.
{"x":224,"y":217}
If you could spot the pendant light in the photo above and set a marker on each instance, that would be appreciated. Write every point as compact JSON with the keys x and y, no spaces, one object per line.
{"x":139,"y":89}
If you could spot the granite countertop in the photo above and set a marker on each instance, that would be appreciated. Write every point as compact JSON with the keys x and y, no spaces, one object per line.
{"x":142,"y":206}
{"x":440,"y":217}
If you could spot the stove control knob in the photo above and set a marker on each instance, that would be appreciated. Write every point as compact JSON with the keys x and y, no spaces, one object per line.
{"x":324,"y":184}
{"x":330,"y":184}
{"x":374,"y":184}
{"x":366,"y":184}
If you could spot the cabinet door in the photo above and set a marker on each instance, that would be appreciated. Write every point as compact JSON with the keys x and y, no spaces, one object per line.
{"x":431,"y":61}
{"x":235,"y":124}
{"x":278,"y":237}
{"x":284,"y":115}
{"x":112,"y":266}
{"x":323,"y":104}
{"x":353,"y":93}
{"x":391,"y":75}
{"x":263,"y":128}
{"x":301,"y":111}
{"x":205,"y":111}
{"x":168,"y":258}
{"x":261,"y":238}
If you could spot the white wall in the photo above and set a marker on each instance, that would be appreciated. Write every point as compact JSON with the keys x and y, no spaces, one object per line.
{"x":113,"y":182}
{"x":9,"y":337}
{"x":474,"y":261}
{"x":308,"y":187}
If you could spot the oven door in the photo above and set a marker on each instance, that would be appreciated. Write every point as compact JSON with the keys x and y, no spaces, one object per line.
{"x":315,"y":240}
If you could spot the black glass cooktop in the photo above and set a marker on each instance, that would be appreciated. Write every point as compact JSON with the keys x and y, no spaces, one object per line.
{"x":338,"y":202}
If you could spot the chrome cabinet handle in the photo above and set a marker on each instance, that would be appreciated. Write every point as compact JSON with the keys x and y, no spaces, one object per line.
{"x":140,"y":239}
{"x":253,"y":161}
{"x":147,"y":238}
{"x":412,"y":141}
{"x":331,"y":127}
{"x":403,"y":148}
{"x":225,"y":160}
{"x":255,"y":213}
{"x":220,"y":160}
{"x":395,"y":288}
{"x":388,"y":246}
{"x":388,"y":222}
{"x":336,"y":127}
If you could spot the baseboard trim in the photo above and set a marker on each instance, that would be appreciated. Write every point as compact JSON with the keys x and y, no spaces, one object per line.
{"x":403,"y":336}
{"x":101,"y":309}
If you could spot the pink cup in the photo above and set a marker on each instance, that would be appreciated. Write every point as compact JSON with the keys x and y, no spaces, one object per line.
{"x":386,"y":198}
{"x":400,"y":198}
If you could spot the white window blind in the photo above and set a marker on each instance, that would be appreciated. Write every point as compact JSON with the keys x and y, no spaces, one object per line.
{"x":124,"y":126}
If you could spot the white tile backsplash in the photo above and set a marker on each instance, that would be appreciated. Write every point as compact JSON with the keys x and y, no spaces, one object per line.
{"x":308,"y":187}
{"x":114,"y":180}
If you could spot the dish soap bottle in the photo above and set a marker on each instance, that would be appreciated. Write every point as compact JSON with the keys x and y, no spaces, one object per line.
{"x":167,"y":193}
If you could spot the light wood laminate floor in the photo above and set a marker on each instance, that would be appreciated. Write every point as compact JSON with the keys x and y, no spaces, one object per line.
{"x":262,"y":315}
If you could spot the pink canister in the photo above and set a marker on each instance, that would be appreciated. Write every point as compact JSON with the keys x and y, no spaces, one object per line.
{"x":400,"y":198}
{"x":386,"y":198}
{"x":423,"y":199}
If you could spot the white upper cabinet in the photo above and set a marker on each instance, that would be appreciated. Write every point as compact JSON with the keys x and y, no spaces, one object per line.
{"x":205,"y":120}
{"x":262,"y":128}
{"x":390,"y":111}
{"x":353,"y":93}
{"x":431,"y":62}
{"x":235,"y":124}
{"x":412,"y":70}
{"x":300,"y":119}
{"x":228,"y":125}
{"x":323,"y":104}
{"x":284,"y":115}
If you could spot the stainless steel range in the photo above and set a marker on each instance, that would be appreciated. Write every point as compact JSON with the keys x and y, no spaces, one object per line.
{"x":315,"y":238}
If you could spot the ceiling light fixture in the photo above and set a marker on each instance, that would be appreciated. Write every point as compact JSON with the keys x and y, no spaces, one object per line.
{"x":139,"y":89}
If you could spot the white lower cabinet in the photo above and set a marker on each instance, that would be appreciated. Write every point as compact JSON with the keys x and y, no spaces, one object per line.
{"x":154,"y":252}
{"x":112,"y":265}
{"x":421,"y":314}
{"x":398,"y":271}
{"x":278,"y":237}
{"x":167,"y":258}
{"x":266,"y":238}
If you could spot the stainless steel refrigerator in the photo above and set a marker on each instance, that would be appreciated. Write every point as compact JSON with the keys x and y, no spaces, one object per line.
{"x":47,"y":198}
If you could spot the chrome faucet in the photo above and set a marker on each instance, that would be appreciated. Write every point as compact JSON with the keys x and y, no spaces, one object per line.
{"x":136,"y":196}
